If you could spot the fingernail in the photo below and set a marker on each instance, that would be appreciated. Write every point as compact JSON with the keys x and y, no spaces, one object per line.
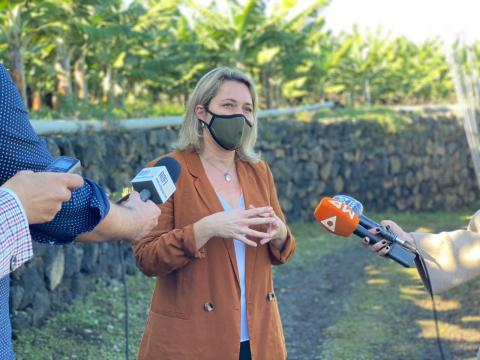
{"x":377,"y":230}
{"x":384,"y":242}
{"x":367,"y":240}
{"x":387,"y":248}
{"x":387,"y":227}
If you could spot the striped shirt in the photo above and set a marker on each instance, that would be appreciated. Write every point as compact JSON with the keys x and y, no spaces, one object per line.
{"x":15,"y":240}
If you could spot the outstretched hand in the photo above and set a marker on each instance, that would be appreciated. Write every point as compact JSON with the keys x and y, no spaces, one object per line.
{"x":383,"y":247}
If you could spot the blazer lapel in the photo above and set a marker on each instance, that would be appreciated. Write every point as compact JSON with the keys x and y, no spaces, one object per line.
{"x":211,"y":201}
{"x":201,"y":182}
{"x":249,"y":196}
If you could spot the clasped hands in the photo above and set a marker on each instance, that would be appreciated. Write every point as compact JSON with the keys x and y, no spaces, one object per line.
{"x":236,"y":224}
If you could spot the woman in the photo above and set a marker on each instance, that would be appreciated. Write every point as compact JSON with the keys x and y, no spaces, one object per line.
{"x":451,"y":257}
{"x":217,"y":236}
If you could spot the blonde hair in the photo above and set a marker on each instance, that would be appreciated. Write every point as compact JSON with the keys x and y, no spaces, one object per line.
{"x":191,"y":132}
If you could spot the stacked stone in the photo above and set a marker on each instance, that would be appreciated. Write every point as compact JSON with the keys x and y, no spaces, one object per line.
{"x":425,"y":166}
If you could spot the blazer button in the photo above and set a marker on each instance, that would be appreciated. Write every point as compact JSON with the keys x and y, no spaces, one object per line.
{"x":208,"y":307}
{"x":270,"y":296}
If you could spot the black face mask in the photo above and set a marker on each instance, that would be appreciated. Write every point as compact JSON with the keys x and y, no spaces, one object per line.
{"x":228,"y":130}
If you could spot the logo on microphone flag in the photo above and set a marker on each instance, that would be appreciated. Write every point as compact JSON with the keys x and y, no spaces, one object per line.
{"x":336,"y":217}
{"x":330,"y":223}
{"x":337,"y":203}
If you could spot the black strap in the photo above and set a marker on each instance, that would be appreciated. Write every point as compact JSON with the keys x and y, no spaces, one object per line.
{"x":425,"y":276}
{"x":125,"y":296}
{"x":423,"y":272}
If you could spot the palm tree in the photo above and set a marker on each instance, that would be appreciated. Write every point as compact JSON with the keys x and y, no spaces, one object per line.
{"x":264,"y":40}
{"x":13,"y":23}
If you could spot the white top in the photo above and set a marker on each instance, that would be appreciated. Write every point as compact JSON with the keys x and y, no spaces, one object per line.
{"x":240,"y":257}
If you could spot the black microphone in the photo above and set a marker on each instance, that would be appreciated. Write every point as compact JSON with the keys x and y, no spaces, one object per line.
{"x":368,"y":223}
{"x":157,"y":183}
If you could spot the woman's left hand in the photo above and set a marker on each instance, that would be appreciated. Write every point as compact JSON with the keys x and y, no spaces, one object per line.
{"x":277,"y":230}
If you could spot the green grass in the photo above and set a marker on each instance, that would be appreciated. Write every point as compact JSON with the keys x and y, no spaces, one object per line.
{"x":390,"y":120}
{"x":92,"y":327}
{"x":388,"y":311}
{"x":387,"y":308}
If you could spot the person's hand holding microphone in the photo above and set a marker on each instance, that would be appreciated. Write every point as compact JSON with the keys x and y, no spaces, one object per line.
{"x":383,"y":247}
{"x":143,"y":213}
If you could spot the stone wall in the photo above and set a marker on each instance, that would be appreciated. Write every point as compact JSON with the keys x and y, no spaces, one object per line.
{"x":423,"y":166}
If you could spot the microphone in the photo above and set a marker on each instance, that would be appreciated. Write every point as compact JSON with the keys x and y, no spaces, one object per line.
{"x":340,"y":219}
{"x":356,"y":205}
{"x":157,"y":183}
{"x":369,"y":223}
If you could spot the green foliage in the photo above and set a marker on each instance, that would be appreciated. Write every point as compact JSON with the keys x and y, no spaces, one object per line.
{"x":140,"y":108}
{"x":104,"y":52}
{"x":390,"y":120}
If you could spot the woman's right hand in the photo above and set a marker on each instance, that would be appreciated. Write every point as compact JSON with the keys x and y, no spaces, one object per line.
{"x":383,"y":247}
{"x":234,"y":224}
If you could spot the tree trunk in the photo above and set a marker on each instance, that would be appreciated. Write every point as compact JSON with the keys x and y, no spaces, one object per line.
{"x":186,"y":94}
{"x":138,"y":89}
{"x":120,"y":95}
{"x":368,"y":97}
{"x":277,"y":94}
{"x":351,"y":96}
{"x":18,"y":70}
{"x":267,"y":88}
{"x":63,"y":69}
{"x":81,"y":79}
{"x":36,"y":101}
{"x":108,"y":87}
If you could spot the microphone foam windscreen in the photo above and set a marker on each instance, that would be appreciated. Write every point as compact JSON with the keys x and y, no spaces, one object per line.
{"x":336,"y":217}
{"x":172,"y":165}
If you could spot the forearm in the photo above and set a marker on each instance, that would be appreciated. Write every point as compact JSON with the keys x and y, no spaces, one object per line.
{"x":160,"y":252}
{"x":202,"y":231}
{"x":451,"y":257}
{"x":281,"y":252}
{"x":283,"y":248}
{"x":117,"y":225}
{"x":281,"y":239}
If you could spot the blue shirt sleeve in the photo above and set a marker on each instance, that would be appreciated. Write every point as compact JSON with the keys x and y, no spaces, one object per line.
{"x":22,"y":149}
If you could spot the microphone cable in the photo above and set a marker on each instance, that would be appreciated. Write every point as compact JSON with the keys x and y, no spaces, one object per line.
{"x":123,"y":270}
{"x":125,"y":298}
{"x":173,"y":167}
{"x":425,"y":276}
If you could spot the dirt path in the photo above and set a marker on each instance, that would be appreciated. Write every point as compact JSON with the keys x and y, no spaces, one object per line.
{"x":313,"y":294}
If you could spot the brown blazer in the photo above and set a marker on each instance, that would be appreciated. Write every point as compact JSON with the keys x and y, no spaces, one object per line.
{"x":452,"y":257}
{"x":195,"y":308}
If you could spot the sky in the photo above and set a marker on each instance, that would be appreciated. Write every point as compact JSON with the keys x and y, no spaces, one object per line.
{"x":416,"y":19}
